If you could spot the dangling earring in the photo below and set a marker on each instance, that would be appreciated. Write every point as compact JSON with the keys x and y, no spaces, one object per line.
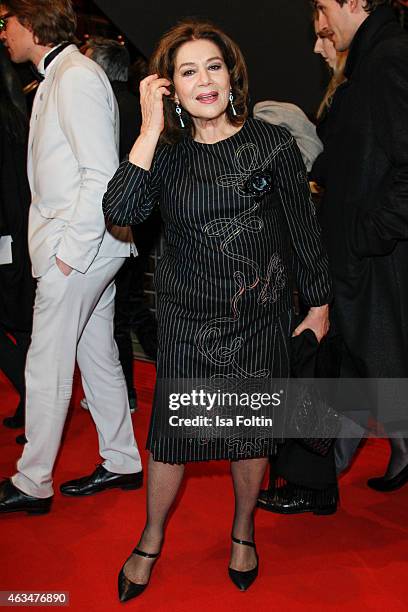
{"x":178,"y":111}
{"x":231,"y":99}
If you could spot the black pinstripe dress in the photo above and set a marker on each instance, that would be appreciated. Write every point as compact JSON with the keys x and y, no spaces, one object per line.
{"x":224,"y":285}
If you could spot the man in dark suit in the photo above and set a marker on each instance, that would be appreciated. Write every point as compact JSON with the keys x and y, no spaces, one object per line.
{"x":365,"y":217}
{"x":365,"y":209}
{"x":16,"y":282}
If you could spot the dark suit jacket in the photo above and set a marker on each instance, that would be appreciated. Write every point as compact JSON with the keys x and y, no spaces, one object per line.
{"x":16,"y":282}
{"x":130,"y":116}
{"x":365,"y":208}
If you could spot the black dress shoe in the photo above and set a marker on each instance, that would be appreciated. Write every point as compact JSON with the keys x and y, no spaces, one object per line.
{"x":243,"y":580}
{"x":101,"y":480}
{"x":128,"y":589}
{"x":14,"y":422}
{"x":21,"y":439}
{"x":291,"y":499}
{"x":389,"y":484}
{"x":14,"y":500}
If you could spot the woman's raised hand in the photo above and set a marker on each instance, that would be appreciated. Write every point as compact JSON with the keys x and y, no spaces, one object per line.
{"x":152,"y":90}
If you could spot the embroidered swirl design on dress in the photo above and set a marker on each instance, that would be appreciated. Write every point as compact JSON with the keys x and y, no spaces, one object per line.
{"x":209,"y":338}
{"x":244,"y":170}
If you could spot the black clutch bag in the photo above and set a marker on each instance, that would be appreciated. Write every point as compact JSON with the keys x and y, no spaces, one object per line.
{"x":314,"y":421}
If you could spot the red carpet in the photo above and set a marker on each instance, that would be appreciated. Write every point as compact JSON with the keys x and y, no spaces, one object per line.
{"x":354,"y":560}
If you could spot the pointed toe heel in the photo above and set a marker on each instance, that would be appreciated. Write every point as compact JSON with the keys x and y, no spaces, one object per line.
{"x":243,"y":580}
{"x":126,"y":588}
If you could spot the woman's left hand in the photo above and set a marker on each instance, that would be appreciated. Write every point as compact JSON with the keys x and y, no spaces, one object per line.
{"x":317,"y":319}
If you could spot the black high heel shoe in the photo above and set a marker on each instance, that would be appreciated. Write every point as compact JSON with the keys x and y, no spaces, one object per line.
{"x":243,"y":580}
{"x":128,"y":589}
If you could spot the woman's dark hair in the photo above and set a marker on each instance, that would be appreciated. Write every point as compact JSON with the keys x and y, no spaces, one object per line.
{"x":13,"y":110}
{"x":51,"y":21}
{"x":162,"y":63}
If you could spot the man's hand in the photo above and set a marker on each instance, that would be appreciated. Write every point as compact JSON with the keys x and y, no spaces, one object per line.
{"x":65,"y":268}
{"x":317,"y":319}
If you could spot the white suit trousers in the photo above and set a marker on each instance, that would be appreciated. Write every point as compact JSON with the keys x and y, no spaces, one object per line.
{"x":73,"y":319}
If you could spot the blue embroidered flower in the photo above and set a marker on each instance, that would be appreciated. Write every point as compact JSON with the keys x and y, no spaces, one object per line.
{"x":259,"y":184}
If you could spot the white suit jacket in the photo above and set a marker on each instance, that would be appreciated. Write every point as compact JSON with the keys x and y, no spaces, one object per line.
{"x":72,"y":154}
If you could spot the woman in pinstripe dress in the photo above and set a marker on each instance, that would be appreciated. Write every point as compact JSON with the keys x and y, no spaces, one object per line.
{"x":239,"y":225}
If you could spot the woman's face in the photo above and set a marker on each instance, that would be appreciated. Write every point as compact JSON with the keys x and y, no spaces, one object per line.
{"x":325,"y":47}
{"x":201,"y":79}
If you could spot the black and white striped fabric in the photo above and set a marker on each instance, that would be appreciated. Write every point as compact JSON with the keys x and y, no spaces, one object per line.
{"x":225,"y":283}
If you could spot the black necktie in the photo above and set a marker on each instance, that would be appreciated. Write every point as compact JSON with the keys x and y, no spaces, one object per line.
{"x":40,"y":77}
{"x":37,"y":75}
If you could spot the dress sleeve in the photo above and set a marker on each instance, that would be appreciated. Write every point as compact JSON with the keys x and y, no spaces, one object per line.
{"x":133,"y":192}
{"x":310,"y":259}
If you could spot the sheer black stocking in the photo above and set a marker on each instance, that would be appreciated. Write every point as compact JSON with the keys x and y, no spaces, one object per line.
{"x":164,"y":481}
{"x":247,"y":477}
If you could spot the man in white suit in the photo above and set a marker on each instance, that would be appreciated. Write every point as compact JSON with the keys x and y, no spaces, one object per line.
{"x":72,"y":155}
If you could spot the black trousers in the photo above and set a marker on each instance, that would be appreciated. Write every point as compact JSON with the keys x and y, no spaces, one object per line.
{"x":12,"y":361}
{"x":131,"y":311}
{"x":295,"y":462}
{"x":300,"y":466}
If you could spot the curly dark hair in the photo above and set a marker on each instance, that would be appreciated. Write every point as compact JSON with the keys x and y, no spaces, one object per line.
{"x":370,"y":5}
{"x":162,"y":63}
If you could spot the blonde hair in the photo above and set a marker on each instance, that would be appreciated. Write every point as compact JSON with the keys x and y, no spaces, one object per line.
{"x":337,"y":79}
